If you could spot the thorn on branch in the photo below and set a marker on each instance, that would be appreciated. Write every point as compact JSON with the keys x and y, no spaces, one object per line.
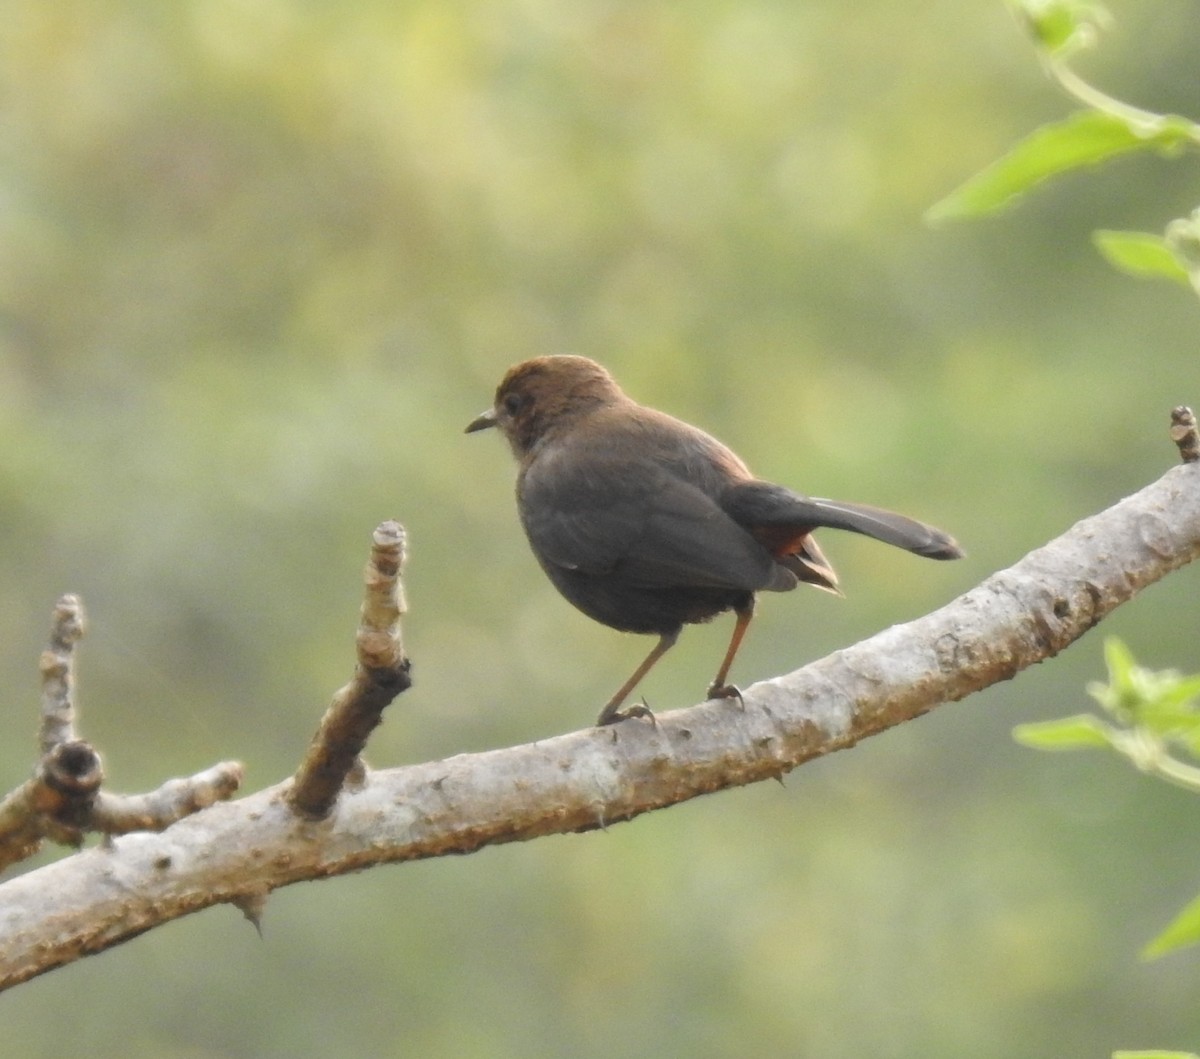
{"x":1184,"y":433}
{"x":382,"y":673}
{"x":252,"y":906}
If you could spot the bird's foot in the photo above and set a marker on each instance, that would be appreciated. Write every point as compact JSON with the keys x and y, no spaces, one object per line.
{"x":726,"y":691}
{"x":612,"y":713}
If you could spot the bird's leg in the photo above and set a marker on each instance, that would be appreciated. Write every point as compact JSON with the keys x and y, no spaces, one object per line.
{"x":612,"y":711}
{"x":718,"y":689}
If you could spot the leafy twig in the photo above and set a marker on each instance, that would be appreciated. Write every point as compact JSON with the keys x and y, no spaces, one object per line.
{"x":1107,"y":128}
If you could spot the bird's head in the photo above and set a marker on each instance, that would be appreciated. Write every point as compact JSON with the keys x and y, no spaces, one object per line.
{"x":539,"y":396}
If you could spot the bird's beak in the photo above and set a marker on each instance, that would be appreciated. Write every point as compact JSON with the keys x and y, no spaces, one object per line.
{"x":482,"y":421}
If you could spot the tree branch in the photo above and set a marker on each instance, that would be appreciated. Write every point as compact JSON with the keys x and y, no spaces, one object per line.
{"x":239,"y":852}
{"x":63,"y":800}
{"x":382,"y":674}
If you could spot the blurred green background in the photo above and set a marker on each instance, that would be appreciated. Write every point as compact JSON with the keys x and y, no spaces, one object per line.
{"x":259,"y":265}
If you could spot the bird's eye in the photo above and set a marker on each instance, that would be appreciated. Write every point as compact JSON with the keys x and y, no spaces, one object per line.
{"x":513,"y":403}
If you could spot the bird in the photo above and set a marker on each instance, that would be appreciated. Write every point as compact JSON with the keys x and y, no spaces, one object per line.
{"x":646,"y":523}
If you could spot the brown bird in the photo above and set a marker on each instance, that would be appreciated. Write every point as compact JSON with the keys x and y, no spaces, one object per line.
{"x":646,"y":523}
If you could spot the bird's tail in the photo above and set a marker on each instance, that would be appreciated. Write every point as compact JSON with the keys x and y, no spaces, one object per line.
{"x":887,"y":526}
{"x":778,"y":517}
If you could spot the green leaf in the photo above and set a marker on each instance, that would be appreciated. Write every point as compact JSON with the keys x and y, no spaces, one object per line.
{"x":1085,"y":138}
{"x":1123,"y":695}
{"x":1119,"y":661}
{"x":1068,"y":733}
{"x":1161,"y":701}
{"x":1183,"y":930}
{"x":1141,"y":254}
{"x":1171,"y":711}
{"x":1062,"y":25}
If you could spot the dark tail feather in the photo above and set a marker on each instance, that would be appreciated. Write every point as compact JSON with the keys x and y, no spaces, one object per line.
{"x":887,"y":526}
{"x":775,"y":514}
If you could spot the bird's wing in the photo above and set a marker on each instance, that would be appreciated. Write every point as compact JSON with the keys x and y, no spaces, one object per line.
{"x":648,"y":528}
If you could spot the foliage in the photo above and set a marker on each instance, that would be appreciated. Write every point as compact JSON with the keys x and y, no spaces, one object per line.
{"x":1061,"y":31}
{"x":1153,"y":718}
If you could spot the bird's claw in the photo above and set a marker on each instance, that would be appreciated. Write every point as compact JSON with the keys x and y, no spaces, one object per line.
{"x":611,"y":715}
{"x":726,"y":691}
